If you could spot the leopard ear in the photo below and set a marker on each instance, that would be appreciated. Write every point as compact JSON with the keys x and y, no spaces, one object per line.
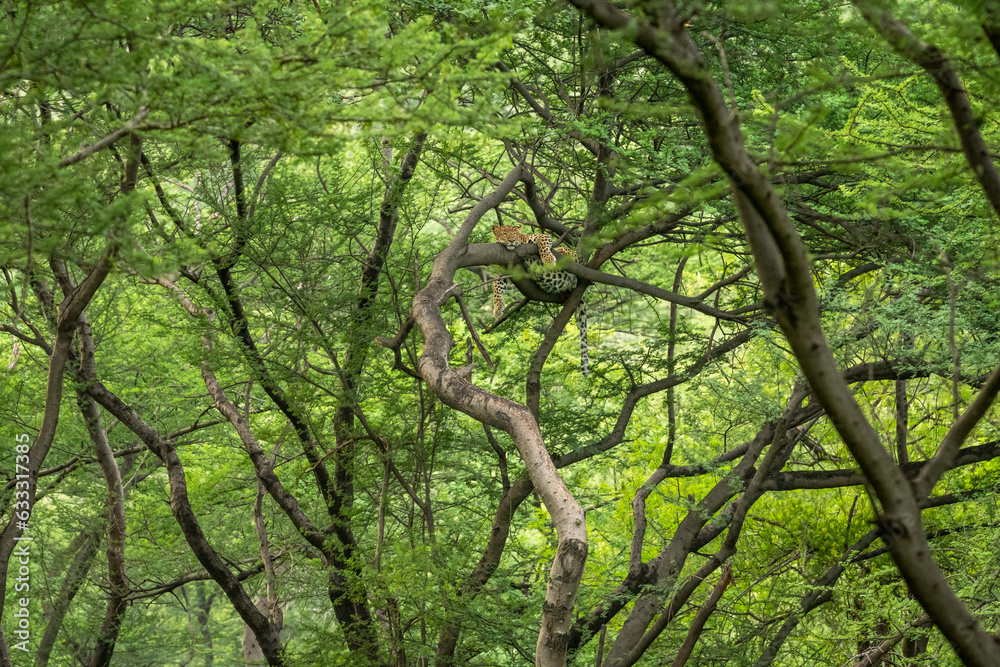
{"x":497,"y":229}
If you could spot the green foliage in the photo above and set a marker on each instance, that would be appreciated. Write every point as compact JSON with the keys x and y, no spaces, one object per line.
{"x":324,"y":101}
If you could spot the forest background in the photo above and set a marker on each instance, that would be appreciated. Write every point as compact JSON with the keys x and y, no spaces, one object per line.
{"x":256,"y":407}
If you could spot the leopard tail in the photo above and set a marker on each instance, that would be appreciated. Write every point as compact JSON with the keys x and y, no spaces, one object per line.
{"x":581,"y":322}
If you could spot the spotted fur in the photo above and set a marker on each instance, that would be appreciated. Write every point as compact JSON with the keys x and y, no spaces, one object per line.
{"x":548,"y":279}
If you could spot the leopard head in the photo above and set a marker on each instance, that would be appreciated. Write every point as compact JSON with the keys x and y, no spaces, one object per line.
{"x":508,"y":235}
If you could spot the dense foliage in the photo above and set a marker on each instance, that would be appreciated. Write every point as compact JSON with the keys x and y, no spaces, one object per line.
{"x":248,"y":330}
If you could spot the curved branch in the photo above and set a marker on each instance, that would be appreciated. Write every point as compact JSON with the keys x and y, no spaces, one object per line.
{"x":478,"y":254}
{"x":454,"y":390}
{"x":69,"y":314}
{"x":101,"y":144}
{"x":784,"y":268}
{"x":936,"y":64}
{"x":180,"y":506}
{"x":118,"y":588}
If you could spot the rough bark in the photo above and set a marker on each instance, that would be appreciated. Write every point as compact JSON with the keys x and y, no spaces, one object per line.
{"x":515,"y":419}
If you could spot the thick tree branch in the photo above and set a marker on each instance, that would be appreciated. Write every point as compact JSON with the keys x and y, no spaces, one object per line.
{"x":180,"y":506}
{"x":704,"y":612}
{"x":516,"y":420}
{"x":944,"y":459}
{"x":118,"y":588}
{"x":784,"y":269}
{"x":70,"y":310}
{"x":494,"y":254}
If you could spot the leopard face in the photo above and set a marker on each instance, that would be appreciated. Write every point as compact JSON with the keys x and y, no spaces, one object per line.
{"x":509,"y":235}
{"x":547,"y":278}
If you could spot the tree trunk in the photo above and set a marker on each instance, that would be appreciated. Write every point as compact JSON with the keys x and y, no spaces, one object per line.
{"x":515,"y":419}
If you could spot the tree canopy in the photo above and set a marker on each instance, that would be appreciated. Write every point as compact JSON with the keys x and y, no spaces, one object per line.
{"x":257,"y":408}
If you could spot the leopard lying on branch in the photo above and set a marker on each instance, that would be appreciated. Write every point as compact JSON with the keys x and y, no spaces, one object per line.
{"x":543,"y":273}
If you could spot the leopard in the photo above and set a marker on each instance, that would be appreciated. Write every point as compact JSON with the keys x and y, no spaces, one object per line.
{"x":548,"y":278}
